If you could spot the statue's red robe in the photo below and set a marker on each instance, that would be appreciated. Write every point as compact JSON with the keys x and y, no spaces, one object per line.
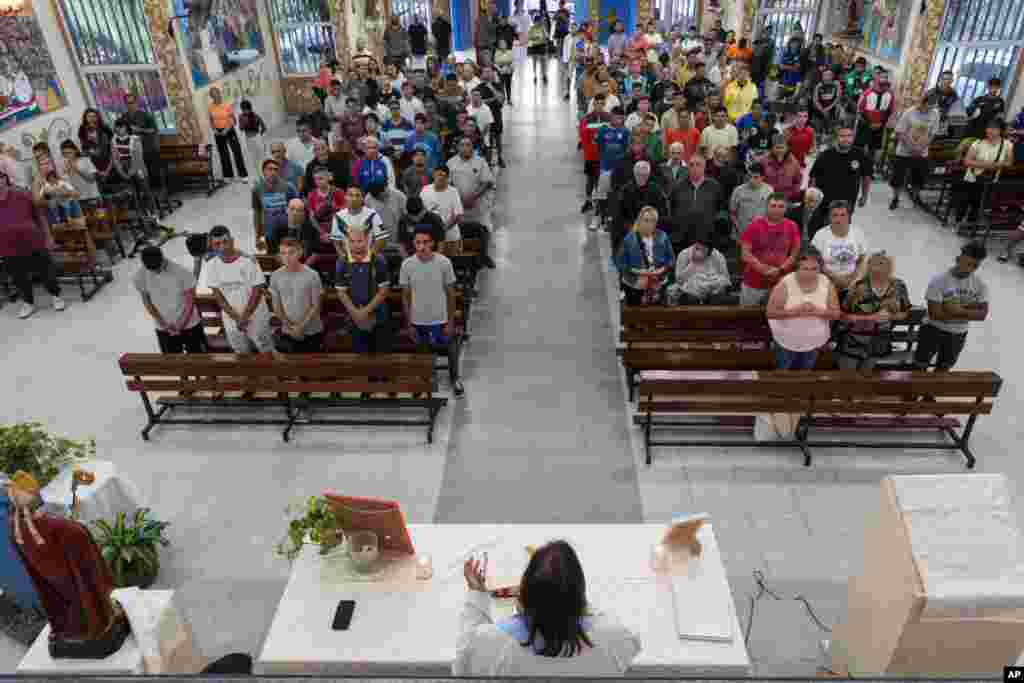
{"x":70,"y":575}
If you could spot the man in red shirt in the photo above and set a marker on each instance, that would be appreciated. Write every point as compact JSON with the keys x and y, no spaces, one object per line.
{"x":24,"y":234}
{"x":800,"y":137}
{"x":875,"y":107}
{"x":589,"y":125}
{"x":769,"y":246}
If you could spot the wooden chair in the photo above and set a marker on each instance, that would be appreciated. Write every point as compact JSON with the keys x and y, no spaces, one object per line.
{"x":75,"y":255}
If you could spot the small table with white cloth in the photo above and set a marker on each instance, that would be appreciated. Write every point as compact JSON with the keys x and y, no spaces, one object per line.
{"x":404,"y":626}
{"x":103,"y":499}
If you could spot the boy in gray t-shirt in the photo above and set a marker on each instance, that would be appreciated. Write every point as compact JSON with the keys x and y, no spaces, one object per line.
{"x":955,"y":297}
{"x":296,"y":289}
{"x":168,"y":292}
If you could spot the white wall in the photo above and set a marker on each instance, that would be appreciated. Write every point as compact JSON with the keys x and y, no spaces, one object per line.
{"x":259,"y":82}
{"x":49,"y":126}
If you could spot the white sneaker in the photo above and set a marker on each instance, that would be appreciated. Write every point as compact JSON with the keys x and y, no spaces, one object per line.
{"x":26,"y":310}
{"x":59,"y":304}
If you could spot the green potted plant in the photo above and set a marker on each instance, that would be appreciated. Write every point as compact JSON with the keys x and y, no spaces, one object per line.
{"x":27,"y":446}
{"x":311,"y":521}
{"x":131,"y":548}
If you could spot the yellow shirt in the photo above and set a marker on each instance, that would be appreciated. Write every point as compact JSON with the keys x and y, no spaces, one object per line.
{"x":683,"y":75}
{"x":738,"y":100}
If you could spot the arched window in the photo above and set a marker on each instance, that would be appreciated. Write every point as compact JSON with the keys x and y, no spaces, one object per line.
{"x":780,"y":20}
{"x":979,"y":40}
{"x":304,"y":30}
{"x":115,"y":56}
{"x":405,"y":10}
{"x":676,"y":14}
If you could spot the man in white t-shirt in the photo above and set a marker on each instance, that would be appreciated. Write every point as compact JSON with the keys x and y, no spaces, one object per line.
{"x":720,"y":133}
{"x":356,"y":213}
{"x":472,"y":179}
{"x":300,"y":149}
{"x":843,"y":247}
{"x":481,"y":113}
{"x":239,"y":284}
{"x":442,"y":199}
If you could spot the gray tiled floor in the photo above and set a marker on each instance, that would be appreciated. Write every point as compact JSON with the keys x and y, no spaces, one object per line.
{"x":541,"y":436}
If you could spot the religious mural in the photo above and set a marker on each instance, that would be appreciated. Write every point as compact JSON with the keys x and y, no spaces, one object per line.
{"x":29,"y":83}
{"x":884,"y":24}
{"x":218,"y":36}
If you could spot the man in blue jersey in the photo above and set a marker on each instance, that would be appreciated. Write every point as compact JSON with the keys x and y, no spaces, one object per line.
{"x":613,"y":144}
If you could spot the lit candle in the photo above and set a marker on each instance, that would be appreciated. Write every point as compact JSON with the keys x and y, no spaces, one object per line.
{"x":424,"y":566}
{"x":660,"y":558}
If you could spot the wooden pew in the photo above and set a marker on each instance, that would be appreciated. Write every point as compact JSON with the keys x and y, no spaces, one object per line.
{"x":75,"y":255}
{"x":333,"y":315}
{"x":639,"y":362}
{"x":669,"y":327}
{"x":188,"y":167}
{"x":265,"y":381}
{"x":842,"y":400}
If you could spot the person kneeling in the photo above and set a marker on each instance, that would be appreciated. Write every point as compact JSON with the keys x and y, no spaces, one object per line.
{"x":702,"y":275}
{"x":295,"y":290}
{"x":644,"y":260}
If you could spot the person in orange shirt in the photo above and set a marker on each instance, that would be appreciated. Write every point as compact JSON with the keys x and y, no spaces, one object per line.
{"x":740,"y":53}
{"x":222,"y":121}
{"x":684,"y":133}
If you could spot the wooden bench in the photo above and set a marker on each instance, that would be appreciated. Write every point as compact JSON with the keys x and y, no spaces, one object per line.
{"x":842,"y":400}
{"x":265,"y":381}
{"x":102,"y":226}
{"x":334,"y":316}
{"x":668,"y":327}
{"x":637,"y":362}
{"x":188,"y":167}
{"x":75,"y":255}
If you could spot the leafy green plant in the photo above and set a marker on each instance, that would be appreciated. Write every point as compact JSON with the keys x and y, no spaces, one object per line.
{"x":314,"y":519}
{"x":29,"y":447}
{"x":131,"y":548}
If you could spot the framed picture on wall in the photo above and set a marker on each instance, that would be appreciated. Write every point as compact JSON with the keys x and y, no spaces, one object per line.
{"x":29,"y":83}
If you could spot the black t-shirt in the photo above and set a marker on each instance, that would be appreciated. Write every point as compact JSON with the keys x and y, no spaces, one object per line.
{"x":696,"y":90}
{"x":761,"y":142}
{"x":442,"y":33}
{"x":838,"y":175}
{"x":418,"y":39}
{"x":827,"y":93}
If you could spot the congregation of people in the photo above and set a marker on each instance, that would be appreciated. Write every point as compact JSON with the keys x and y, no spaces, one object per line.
{"x":729,"y":173}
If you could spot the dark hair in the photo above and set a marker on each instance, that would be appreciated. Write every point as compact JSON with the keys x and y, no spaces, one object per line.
{"x":976,"y":250}
{"x":219,"y":232}
{"x":743,"y":43}
{"x":443,"y":168}
{"x":373,"y":116}
{"x":245,"y":105}
{"x":423,"y":229}
{"x":101,"y":124}
{"x":809,"y":251}
{"x":68,"y":144}
{"x":756,"y":168}
{"x":996,"y":123}
{"x":720,"y":110}
{"x":40,"y":146}
{"x":553,"y":596}
{"x":269,"y":161}
{"x":413,"y":205}
{"x":838,"y":204}
{"x":777,"y":197}
{"x":995,"y":81}
{"x":152,"y":258}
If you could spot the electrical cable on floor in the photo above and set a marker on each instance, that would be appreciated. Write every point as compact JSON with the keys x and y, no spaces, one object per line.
{"x":763,"y":590}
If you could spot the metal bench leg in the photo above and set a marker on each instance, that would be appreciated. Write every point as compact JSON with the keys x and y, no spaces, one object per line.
{"x":801,"y":435}
{"x":153,"y":417}
{"x":291,"y":415}
{"x":963,"y":439}
{"x":432,"y":412}
{"x":453,"y":360}
{"x":631,"y":387}
{"x":647,"y":438}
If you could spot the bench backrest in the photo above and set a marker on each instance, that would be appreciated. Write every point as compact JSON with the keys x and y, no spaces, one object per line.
{"x":319,"y":372}
{"x":74,"y":246}
{"x":170,"y":152}
{"x":832,"y":392}
{"x":683,"y":360}
{"x":671,"y":324}
{"x":451,"y":248}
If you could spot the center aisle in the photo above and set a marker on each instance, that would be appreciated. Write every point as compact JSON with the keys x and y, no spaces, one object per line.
{"x":541,"y":435}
